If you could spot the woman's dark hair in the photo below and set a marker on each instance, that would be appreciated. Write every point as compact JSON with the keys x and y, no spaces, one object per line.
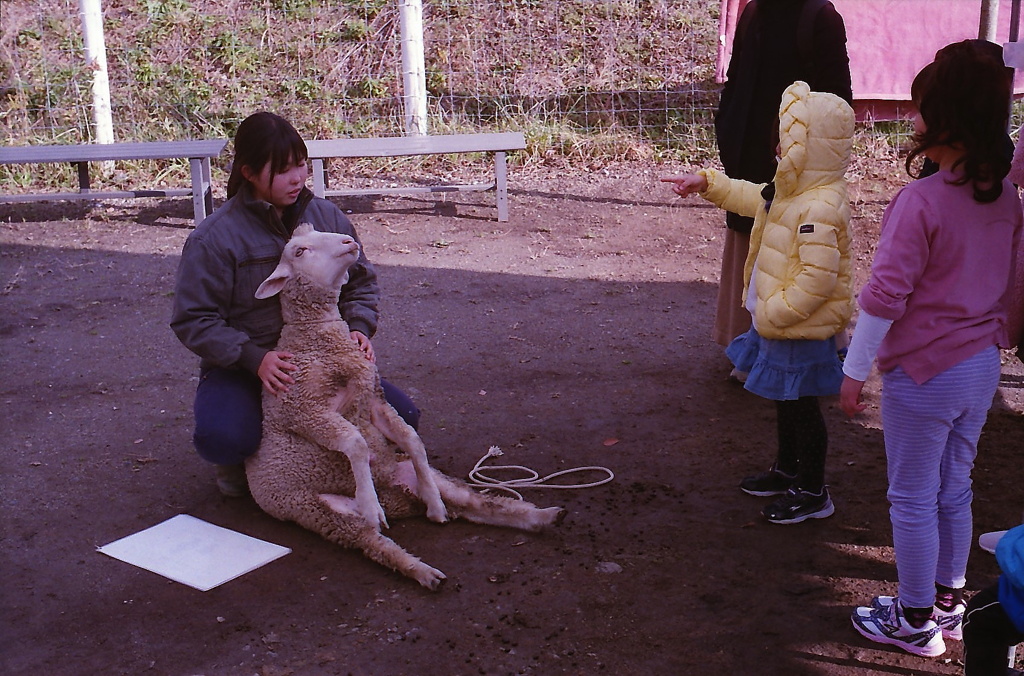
{"x":264,"y":137}
{"x":964,"y":99}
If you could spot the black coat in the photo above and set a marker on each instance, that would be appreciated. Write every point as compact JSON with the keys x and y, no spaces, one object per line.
{"x":766,"y":59}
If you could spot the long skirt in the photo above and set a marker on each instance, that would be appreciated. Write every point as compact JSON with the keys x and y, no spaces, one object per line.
{"x":731,"y":318}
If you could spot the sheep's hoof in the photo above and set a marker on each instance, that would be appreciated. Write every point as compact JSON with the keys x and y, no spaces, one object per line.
{"x":374,"y":515}
{"x":437,"y":513}
{"x":431,"y":578}
{"x":546,"y":518}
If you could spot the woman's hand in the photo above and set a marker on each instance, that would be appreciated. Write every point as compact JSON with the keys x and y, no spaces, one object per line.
{"x":686,"y":184}
{"x":365,"y":345}
{"x":849,"y":396}
{"x":274,"y":370}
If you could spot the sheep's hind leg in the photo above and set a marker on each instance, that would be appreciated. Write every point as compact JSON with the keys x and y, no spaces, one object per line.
{"x":376,"y":546}
{"x":494,"y":510}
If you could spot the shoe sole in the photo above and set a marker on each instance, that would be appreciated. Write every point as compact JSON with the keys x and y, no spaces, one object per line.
{"x":908,"y":647}
{"x":232,"y":491}
{"x":988,"y":541}
{"x":828,"y":510}
{"x":763,"y":494}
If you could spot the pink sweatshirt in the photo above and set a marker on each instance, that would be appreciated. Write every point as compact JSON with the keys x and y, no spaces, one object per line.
{"x":943,"y":274}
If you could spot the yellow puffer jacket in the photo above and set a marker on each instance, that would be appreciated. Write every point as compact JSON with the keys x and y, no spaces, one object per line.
{"x":801,"y":245}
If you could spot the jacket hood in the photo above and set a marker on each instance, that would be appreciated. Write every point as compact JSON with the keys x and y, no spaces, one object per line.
{"x":815,"y":139}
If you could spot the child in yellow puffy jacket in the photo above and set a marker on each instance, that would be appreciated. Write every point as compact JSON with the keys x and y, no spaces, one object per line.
{"x":798,"y":289}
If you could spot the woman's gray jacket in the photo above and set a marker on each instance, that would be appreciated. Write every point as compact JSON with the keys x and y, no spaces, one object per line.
{"x":216,"y":313}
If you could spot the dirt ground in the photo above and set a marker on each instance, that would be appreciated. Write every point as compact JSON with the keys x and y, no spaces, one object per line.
{"x":576,"y":334}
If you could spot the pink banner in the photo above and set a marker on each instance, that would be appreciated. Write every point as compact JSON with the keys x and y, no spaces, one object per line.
{"x":889,"y":41}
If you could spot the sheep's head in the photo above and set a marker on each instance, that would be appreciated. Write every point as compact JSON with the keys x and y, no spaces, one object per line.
{"x":323,"y":258}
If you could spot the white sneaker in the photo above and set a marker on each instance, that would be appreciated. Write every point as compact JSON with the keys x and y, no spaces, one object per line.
{"x":738,"y":376}
{"x":885,"y":624}
{"x":988,"y":541}
{"x":951,"y":622}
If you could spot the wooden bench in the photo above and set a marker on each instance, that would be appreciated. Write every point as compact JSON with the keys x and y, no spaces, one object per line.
{"x":198,"y":154}
{"x":396,"y":146}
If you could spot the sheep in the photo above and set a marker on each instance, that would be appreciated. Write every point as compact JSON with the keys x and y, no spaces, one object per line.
{"x":335,"y":456}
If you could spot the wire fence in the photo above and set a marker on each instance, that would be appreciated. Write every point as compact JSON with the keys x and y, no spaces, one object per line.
{"x":188,"y":69}
{"x":619,"y":78}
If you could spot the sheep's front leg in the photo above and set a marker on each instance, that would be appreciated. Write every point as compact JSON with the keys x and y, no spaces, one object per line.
{"x":334,"y":432}
{"x":392,"y":426}
{"x":367,"y":502}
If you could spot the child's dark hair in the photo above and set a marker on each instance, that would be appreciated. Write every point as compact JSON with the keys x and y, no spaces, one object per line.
{"x":964,"y":99}
{"x":264,"y":137}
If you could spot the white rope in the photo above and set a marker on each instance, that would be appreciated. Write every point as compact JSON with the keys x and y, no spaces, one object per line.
{"x":479,"y":479}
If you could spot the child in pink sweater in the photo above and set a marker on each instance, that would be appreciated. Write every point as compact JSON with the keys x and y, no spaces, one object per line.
{"x":933,"y":315}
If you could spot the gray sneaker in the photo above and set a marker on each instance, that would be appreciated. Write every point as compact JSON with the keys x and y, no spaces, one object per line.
{"x":231,"y":481}
{"x":772,"y":482}
{"x":799,"y":505}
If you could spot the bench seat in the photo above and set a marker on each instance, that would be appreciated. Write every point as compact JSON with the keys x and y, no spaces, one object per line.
{"x":398,"y":146}
{"x":198,"y":153}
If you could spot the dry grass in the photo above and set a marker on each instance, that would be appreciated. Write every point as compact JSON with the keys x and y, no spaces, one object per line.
{"x":588,"y":81}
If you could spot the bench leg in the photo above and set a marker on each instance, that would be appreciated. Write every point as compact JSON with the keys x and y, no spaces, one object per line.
{"x":207,"y":186}
{"x":319,"y":178}
{"x":83,"y":176}
{"x":202,"y":187}
{"x":501,"y":185}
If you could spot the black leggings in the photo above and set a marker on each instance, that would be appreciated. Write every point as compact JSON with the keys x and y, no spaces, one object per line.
{"x":803,"y":442}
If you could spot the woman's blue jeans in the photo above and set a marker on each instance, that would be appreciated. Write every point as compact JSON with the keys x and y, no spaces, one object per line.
{"x":229,"y":414}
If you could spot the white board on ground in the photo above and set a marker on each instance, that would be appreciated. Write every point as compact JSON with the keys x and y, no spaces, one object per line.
{"x":194,"y":552}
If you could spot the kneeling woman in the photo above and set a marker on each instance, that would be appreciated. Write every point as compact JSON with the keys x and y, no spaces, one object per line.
{"x":216,"y":314}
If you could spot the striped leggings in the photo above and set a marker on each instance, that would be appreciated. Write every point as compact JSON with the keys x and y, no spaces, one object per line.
{"x":931,"y":440}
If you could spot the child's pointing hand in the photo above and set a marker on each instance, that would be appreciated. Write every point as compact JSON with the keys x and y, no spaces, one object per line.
{"x":686,"y":184}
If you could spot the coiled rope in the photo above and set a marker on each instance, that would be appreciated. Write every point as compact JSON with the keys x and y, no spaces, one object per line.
{"x":478,"y":478}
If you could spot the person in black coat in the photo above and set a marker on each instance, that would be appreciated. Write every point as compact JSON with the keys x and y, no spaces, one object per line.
{"x":777,"y":42}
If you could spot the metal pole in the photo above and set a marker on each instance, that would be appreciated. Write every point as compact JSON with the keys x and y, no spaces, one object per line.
{"x":96,"y":60}
{"x":1012,"y":45}
{"x":989,"y":19}
{"x":414,"y":76}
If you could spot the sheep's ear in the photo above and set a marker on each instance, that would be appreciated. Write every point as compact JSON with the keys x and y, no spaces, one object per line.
{"x":273,"y":284}
{"x":302,"y":229}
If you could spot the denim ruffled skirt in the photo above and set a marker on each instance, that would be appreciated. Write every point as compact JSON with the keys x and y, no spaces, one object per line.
{"x":783,"y":370}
